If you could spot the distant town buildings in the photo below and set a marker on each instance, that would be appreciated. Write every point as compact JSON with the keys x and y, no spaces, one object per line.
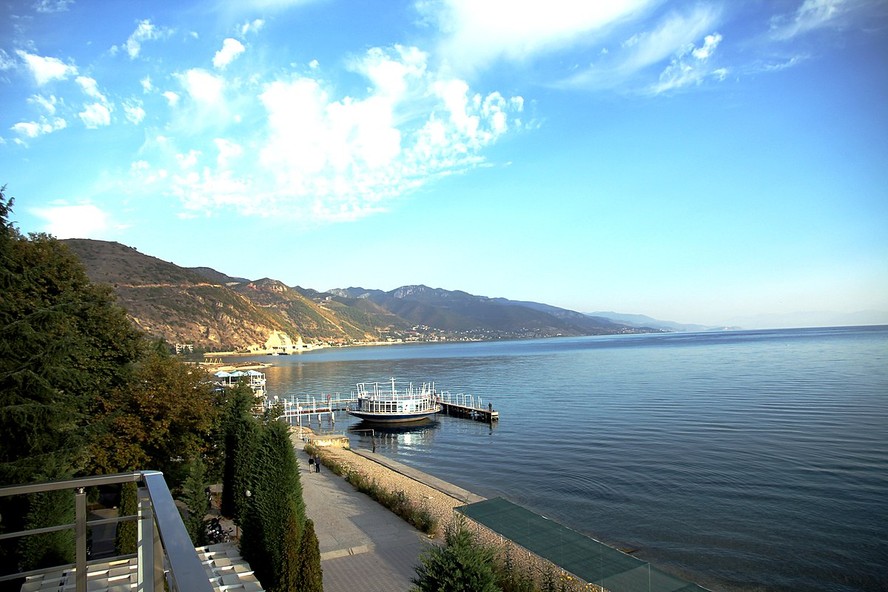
{"x":184,"y":347}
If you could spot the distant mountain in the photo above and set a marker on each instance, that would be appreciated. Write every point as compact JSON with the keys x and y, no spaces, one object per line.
{"x":217,"y":312}
{"x":177,"y":304}
{"x":812,"y":319}
{"x":639,"y":321}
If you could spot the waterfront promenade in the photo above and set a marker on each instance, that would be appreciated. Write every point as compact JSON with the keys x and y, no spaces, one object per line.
{"x":364,"y":547}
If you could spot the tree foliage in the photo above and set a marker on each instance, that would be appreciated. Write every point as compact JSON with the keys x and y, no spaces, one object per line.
{"x":127,"y":532}
{"x":164,"y":415}
{"x":276,"y":512}
{"x":310,"y":576}
{"x":240,"y":434}
{"x":460,"y":565}
{"x":63,"y":342}
{"x":197,"y":502}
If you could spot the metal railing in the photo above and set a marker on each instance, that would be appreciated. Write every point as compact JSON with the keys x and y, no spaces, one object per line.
{"x":161,"y":534}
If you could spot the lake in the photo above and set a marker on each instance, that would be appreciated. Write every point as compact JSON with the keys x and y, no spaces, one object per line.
{"x":741,"y":460}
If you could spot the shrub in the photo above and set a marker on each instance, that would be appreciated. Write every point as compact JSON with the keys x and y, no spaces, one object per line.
{"x":461,"y":564}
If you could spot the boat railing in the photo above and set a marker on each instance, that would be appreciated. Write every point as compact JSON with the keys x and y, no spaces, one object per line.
{"x":393,"y":391}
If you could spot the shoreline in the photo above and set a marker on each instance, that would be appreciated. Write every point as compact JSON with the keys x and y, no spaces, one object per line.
{"x":440,"y":498}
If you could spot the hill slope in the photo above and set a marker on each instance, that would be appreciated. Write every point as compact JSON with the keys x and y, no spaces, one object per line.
{"x":219,"y":312}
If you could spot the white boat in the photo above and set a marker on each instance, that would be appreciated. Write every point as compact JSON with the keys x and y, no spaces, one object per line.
{"x":255,"y":379}
{"x":392,"y":402}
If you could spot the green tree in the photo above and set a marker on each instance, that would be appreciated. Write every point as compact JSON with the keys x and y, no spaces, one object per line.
{"x":276,"y":512}
{"x":310,"y":576}
{"x":166,"y":413}
{"x":239,"y":431}
{"x":195,"y":490}
{"x":63,"y":342}
{"x":127,"y":532}
{"x":460,"y":565}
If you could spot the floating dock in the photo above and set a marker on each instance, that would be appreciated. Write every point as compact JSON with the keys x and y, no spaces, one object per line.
{"x":466,"y":406}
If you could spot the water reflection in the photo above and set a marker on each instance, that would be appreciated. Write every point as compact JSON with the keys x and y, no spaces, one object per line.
{"x":392,"y":439}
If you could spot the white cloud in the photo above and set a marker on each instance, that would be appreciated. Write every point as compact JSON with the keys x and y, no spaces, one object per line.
{"x":46,"y":69}
{"x":145,"y":31}
{"x":228,"y":151}
{"x":188,"y":160}
{"x":95,"y":115}
{"x":73,"y":221}
{"x":91,"y":88}
{"x":146,"y":84}
{"x":133,"y":111}
{"x":231,"y":49}
{"x":201,"y":85}
{"x":171,"y":97}
{"x":252,"y":27}
{"x":32,"y":129}
{"x":325,"y":157}
{"x":478,"y":33}
{"x":48,"y":104}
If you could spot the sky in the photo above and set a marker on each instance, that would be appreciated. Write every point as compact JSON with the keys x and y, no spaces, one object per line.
{"x":722,"y":163}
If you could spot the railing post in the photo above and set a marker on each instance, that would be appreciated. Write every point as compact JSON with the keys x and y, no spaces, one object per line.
{"x":150,"y":577}
{"x":80,"y":538}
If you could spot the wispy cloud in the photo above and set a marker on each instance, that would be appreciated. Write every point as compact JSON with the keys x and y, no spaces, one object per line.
{"x":6,"y":61}
{"x":811,"y":15}
{"x":690,"y":66}
{"x":475,"y":34}
{"x":49,"y":6}
{"x":668,"y":47}
{"x":145,"y":31}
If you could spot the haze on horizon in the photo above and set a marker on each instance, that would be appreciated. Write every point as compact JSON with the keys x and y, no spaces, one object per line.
{"x":699,"y":162}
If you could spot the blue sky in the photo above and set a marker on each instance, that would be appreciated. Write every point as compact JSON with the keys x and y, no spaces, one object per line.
{"x":706,"y":162}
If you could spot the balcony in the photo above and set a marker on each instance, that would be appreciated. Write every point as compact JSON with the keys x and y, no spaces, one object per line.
{"x":165,"y":555}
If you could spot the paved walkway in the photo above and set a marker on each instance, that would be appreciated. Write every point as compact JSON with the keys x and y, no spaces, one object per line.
{"x":364,"y":547}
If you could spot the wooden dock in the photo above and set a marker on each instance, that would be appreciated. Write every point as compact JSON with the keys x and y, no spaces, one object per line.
{"x":468,"y":407}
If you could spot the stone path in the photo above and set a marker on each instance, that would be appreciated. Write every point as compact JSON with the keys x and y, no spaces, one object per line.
{"x":364,"y":547}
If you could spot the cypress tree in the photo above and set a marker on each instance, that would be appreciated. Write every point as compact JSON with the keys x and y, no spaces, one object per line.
{"x":310,"y":575}
{"x":238,"y":428}
{"x":276,"y":512}
{"x":197,"y":503}
{"x":127,"y":532}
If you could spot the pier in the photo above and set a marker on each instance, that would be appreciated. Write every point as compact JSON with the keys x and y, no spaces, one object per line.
{"x":455,"y":405}
{"x":460,"y":405}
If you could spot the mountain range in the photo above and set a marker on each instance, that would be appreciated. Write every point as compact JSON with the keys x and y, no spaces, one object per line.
{"x":216,"y":312}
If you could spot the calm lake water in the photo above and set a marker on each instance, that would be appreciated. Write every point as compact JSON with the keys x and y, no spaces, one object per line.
{"x":748,"y":460}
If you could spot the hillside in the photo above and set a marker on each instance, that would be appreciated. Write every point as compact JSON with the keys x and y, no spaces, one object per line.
{"x":217,"y":312}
